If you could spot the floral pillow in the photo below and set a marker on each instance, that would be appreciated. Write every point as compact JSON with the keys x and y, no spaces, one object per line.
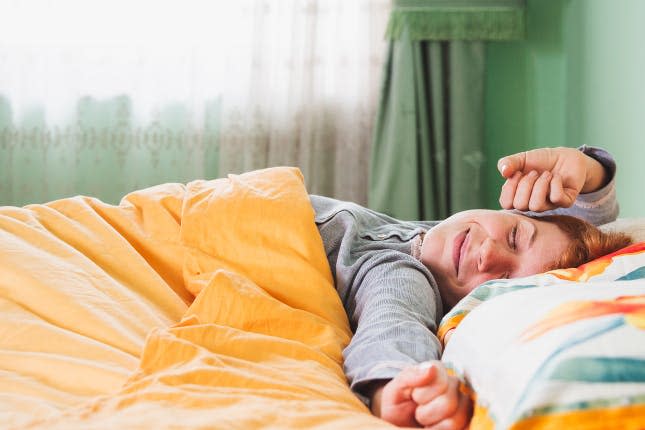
{"x":568,"y":355}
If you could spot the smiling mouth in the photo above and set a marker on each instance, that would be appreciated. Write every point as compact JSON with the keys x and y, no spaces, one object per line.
{"x":457,"y":249}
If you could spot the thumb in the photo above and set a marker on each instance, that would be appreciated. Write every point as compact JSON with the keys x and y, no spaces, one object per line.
{"x":411,"y":377}
{"x":511,"y":164}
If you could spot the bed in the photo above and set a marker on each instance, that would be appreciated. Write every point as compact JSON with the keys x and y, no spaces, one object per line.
{"x":211,"y":305}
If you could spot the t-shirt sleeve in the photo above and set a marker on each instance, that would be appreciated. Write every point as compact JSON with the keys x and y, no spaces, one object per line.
{"x":394,"y":313}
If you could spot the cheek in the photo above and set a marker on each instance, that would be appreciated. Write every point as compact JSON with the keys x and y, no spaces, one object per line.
{"x":434,"y":244}
{"x":476,"y":280}
{"x":550,"y":252}
{"x":429,"y":251}
{"x":537,"y":262}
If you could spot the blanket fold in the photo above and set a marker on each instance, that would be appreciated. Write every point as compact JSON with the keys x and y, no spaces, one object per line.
{"x":206,"y":305}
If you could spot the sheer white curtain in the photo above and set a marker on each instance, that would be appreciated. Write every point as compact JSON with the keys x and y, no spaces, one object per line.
{"x":102,"y":97}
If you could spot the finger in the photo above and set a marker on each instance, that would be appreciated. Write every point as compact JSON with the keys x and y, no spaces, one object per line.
{"x":400,"y":388}
{"x":400,"y":414}
{"x":539,"y":200}
{"x":441,"y":407}
{"x":460,"y":419}
{"x":428,"y":392}
{"x":508,"y":191}
{"x":510,"y":164}
{"x":560,"y":196}
{"x":523,"y":191}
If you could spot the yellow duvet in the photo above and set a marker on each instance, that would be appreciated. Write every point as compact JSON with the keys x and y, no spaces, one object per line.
{"x":209,"y":305}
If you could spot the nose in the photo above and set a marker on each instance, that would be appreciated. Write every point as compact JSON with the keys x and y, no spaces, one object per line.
{"x":493,"y":257}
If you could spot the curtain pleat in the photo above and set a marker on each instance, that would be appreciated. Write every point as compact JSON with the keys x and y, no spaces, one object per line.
{"x":427,"y":150}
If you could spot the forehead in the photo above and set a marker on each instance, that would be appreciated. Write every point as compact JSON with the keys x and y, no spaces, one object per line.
{"x":484,"y":214}
{"x":496,"y":216}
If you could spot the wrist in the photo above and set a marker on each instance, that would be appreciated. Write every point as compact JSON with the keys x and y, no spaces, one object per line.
{"x":596,"y":176}
{"x":375,"y":399}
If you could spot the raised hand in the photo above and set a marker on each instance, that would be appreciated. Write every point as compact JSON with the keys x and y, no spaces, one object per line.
{"x":547,"y":178}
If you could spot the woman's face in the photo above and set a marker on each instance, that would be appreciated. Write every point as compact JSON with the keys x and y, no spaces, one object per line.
{"x":475,"y":246}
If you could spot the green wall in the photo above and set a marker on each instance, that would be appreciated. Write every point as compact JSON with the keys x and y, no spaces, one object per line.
{"x":578,"y":77}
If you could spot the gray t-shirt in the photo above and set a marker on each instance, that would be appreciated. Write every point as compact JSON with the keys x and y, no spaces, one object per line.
{"x":391,"y":298}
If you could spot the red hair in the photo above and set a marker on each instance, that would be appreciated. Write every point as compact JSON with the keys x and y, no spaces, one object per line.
{"x":587,"y":241}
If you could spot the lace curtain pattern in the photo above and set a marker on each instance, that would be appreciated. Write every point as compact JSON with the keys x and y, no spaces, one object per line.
{"x":101,"y":98}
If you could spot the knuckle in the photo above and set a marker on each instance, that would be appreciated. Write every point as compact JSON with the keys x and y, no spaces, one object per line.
{"x":422,"y":417}
{"x":441,"y":386}
{"x":520,"y":204}
{"x":506,"y":185}
{"x":450,"y":424}
{"x":522,"y":159}
{"x":421,"y":395}
{"x":537,"y":206}
{"x":561,"y":200}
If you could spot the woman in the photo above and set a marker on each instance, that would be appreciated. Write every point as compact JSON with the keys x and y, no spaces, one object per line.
{"x":396,"y":279}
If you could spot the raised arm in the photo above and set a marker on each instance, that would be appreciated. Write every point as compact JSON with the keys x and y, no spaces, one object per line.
{"x":578,"y":182}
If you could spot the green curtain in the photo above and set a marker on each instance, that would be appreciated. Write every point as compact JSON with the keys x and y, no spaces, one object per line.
{"x":427,"y":150}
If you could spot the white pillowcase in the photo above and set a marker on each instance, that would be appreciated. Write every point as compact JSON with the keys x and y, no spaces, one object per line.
{"x":634,"y":227}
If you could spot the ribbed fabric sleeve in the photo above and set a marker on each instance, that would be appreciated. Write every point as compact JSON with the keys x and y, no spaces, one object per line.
{"x":394,"y":313}
{"x":391,"y":299}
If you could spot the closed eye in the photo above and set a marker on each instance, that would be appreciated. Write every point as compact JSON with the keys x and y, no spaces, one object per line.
{"x":512,"y":238}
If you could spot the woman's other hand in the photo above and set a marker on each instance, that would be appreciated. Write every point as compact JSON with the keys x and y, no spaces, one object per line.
{"x":441,"y":404}
{"x":423,"y":396}
{"x":548,"y":178}
{"x":392,"y":400}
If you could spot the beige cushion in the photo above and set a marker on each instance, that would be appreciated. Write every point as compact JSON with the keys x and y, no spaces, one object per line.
{"x":635,"y":227}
